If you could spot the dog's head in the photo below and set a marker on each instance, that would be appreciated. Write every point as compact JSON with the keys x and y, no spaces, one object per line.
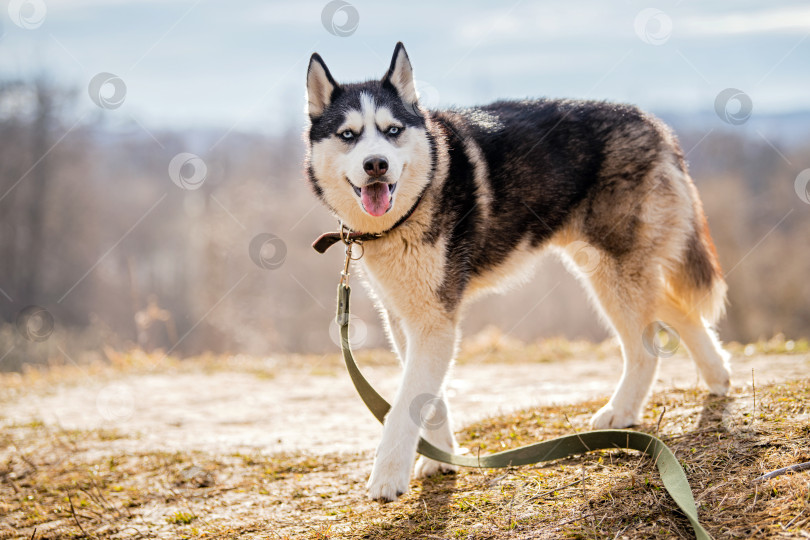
{"x":370,"y":154}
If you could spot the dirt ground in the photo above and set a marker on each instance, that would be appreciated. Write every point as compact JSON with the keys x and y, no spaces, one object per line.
{"x":239,"y":447}
{"x":267,"y":405}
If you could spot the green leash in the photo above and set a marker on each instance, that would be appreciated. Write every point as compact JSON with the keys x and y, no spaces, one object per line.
{"x":672,"y":474}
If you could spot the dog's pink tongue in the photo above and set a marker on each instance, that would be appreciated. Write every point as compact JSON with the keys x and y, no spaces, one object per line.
{"x":376,"y":198}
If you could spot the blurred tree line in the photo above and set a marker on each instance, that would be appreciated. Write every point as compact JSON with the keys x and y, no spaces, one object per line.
{"x":94,"y":230}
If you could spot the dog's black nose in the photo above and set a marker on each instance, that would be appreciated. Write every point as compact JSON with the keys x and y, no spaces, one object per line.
{"x":375,"y":166}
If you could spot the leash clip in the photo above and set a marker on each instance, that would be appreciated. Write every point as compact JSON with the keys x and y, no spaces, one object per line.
{"x":349,"y":242}
{"x":344,"y":274}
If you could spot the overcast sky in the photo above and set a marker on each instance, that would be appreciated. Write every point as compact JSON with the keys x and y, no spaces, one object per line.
{"x":241,"y":64}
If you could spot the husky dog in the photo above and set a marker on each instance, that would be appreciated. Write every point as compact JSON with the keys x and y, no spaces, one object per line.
{"x":464,"y":200}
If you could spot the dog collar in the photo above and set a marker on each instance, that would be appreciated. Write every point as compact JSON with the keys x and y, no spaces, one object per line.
{"x":327,"y":240}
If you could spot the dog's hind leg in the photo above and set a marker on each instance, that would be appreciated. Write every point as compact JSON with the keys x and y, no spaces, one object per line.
{"x":694,"y":301}
{"x":417,"y":405}
{"x":701,"y":341}
{"x":627,"y":294}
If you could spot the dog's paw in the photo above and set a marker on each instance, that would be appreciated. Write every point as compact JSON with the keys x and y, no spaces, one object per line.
{"x":387,"y":483}
{"x":720,"y":384}
{"x":428,"y":467}
{"x":610,"y":417}
{"x":719,"y":388}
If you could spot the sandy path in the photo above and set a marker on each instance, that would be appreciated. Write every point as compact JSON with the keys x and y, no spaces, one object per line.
{"x":296,"y":410}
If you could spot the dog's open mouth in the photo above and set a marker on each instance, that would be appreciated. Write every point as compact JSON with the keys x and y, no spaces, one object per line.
{"x":376,"y":198}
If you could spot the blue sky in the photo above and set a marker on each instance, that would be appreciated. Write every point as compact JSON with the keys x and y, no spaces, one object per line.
{"x":241,"y":65}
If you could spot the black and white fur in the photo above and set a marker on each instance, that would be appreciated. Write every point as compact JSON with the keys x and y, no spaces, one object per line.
{"x":496,"y":186}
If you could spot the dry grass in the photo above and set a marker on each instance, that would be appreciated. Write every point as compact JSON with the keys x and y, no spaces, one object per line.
{"x":64,"y":484}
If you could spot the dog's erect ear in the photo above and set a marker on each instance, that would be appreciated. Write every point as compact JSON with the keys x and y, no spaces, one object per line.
{"x":320,"y":86}
{"x":400,"y":75}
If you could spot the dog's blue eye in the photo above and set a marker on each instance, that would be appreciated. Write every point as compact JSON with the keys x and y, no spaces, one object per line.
{"x":347,"y":134}
{"x":393,"y":130}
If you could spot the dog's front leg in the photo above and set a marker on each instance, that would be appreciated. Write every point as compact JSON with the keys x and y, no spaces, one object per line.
{"x":429,"y":353}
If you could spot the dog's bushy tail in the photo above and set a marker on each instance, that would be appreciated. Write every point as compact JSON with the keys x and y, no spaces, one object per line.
{"x":698,"y":284}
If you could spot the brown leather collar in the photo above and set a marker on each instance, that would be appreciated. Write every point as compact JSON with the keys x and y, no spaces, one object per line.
{"x":327,"y":240}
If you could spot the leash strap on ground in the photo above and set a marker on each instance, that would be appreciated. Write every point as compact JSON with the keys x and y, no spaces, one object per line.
{"x":672,"y":474}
